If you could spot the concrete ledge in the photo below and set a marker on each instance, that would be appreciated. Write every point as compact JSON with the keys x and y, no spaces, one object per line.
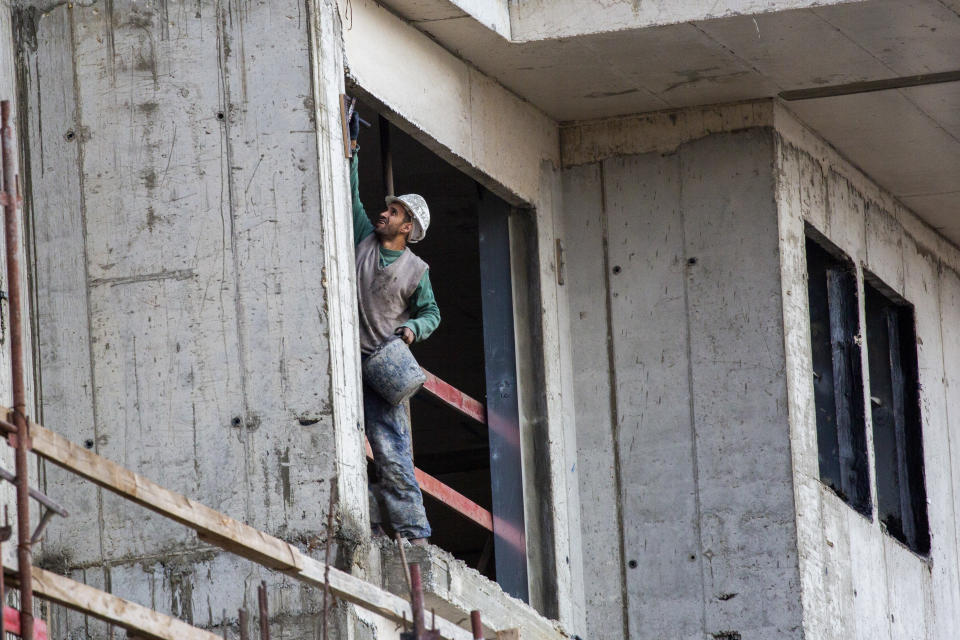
{"x":590,"y":141}
{"x":453,"y":589}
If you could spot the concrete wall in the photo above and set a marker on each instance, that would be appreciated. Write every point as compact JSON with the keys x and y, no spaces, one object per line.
{"x":694,"y":408}
{"x":859,"y":582}
{"x":8,"y":91}
{"x":682,"y":433}
{"x":186,"y":169}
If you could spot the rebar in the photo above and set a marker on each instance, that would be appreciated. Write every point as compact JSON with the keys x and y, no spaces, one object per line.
{"x":242,"y":620}
{"x":416,"y":600}
{"x":475,"y":625}
{"x":10,"y":209}
{"x":326,"y":553}
{"x":264,"y":612}
{"x":403,"y":561}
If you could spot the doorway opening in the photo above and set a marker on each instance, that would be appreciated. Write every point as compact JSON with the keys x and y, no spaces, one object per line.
{"x":466,"y":439}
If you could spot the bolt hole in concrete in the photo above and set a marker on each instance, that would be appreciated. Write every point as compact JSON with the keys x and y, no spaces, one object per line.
{"x":88,"y":444}
{"x":691,"y":261}
{"x":632,"y":564}
{"x":236,"y":422}
{"x":70,"y":135}
{"x":220,"y":115}
{"x":692,"y":557}
{"x":617,"y":269}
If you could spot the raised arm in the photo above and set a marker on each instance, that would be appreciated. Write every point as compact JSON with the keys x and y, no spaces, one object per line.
{"x":361,"y":223}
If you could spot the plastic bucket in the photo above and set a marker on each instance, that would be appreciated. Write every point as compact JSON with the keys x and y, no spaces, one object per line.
{"x":393,"y":372}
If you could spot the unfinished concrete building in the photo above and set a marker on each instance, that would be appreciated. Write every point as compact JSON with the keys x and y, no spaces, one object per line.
{"x":699,"y":270}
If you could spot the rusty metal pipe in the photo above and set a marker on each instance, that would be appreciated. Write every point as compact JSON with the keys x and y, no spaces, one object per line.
{"x":11,"y":233}
{"x":416,"y":600}
{"x":36,"y":494}
{"x":326,"y":555}
{"x":264,"y":612}
{"x":242,"y":622}
{"x":475,"y":625}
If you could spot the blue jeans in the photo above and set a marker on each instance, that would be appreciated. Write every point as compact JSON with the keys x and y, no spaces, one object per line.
{"x":396,"y":495}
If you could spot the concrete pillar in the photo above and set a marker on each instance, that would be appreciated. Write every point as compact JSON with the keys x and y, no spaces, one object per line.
{"x":682,"y":426}
{"x":182,"y":208}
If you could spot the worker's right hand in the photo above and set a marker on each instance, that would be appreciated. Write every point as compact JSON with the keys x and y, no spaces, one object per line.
{"x":354,"y":126}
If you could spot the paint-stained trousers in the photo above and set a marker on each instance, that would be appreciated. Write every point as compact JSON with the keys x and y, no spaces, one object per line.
{"x":395,"y":496}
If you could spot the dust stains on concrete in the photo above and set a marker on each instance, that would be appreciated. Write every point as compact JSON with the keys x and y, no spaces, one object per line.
{"x":285,"y":486}
{"x":148,"y":109}
{"x":611,"y":94}
{"x":705,"y":75}
{"x":180,"y":579}
{"x":152,"y":218}
{"x":149,"y":178}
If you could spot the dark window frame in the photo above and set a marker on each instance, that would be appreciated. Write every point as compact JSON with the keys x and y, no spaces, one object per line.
{"x":896,"y":416}
{"x":835,"y":339}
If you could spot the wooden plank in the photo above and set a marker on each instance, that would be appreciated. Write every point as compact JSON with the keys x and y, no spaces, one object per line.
{"x":453,"y":397}
{"x":372,"y":598}
{"x":221,"y":530}
{"x":210,"y":525}
{"x":140,"y":620}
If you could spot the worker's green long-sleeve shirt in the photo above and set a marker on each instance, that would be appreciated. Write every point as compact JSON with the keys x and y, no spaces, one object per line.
{"x":424,"y":312}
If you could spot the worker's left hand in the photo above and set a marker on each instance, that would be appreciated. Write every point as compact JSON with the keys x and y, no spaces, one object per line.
{"x":354,"y":126}
{"x":406,"y":334}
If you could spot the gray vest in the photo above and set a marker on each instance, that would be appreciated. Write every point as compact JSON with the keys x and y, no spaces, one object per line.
{"x":384,"y":293}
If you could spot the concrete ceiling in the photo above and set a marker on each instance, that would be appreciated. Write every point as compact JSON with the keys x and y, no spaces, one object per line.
{"x":908,"y":139}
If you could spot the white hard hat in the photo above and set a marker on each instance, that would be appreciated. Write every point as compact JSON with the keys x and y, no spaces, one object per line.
{"x":419,"y":211}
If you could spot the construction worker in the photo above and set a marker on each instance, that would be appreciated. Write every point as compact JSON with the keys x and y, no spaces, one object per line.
{"x":395,"y":298}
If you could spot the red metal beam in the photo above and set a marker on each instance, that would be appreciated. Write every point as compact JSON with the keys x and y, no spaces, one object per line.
{"x":11,"y":623}
{"x":450,"y":497}
{"x":450,"y":395}
{"x":453,"y":499}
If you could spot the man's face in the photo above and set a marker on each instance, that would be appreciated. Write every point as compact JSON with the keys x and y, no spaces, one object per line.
{"x":393,"y":222}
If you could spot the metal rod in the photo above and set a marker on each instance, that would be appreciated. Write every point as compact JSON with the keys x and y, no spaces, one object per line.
{"x":5,"y":533}
{"x":326,"y":553}
{"x":386,"y":155}
{"x":264,"y":613}
{"x":475,"y":625}
{"x":416,"y":600}
{"x":44,"y":520}
{"x":35,"y":494}
{"x":403,"y":560}
{"x":3,"y":592}
{"x":10,"y":210}
{"x":242,"y":621}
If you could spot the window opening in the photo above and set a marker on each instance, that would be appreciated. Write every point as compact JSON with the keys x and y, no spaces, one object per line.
{"x":837,"y":376}
{"x":472,"y":351}
{"x":895,"y":411}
